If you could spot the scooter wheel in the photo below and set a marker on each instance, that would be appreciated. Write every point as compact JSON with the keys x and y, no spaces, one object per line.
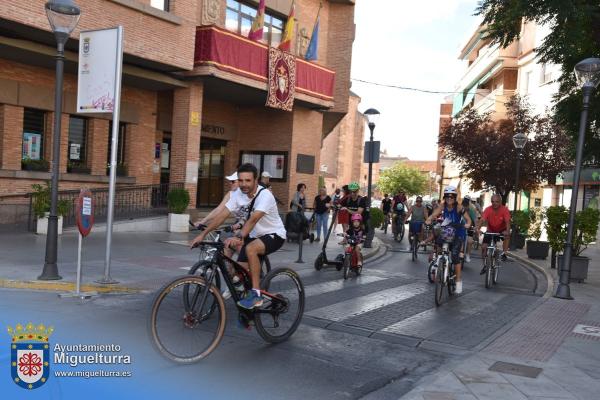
{"x":319,"y":262}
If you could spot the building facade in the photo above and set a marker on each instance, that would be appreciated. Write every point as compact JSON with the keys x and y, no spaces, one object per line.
{"x":193,"y":96}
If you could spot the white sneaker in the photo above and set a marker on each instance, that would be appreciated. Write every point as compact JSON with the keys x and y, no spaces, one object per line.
{"x":226,"y":294}
{"x":459,"y":287}
{"x":467,"y":258}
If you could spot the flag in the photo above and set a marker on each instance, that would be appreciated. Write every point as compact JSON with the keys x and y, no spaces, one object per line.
{"x":256,"y":32}
{"x":288,"y":32}
{"x":311,"y":52}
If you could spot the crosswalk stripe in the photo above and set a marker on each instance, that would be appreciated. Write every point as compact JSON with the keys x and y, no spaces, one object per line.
{"x":359,"y":305}
{"x":462,"y":307}
{"x":332,"y":286}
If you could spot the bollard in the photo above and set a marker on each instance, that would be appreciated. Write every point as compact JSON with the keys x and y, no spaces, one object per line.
{"x":299,"y":260}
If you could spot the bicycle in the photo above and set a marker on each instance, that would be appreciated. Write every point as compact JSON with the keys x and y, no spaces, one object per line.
{"x":444,"y":274}
{"x":413,"y":240}
{"x":207,"y":253}
{"x":399,"y":228}
{"x":192,"y":306}
{"x":350,"y":258}
{"x":491,"y":262}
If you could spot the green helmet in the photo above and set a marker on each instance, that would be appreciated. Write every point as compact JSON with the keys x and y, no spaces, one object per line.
{"x":353,"y":187}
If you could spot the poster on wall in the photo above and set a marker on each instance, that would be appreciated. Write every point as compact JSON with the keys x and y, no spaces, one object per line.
{"x":97,"y":71}
{"x":32,"y":143}
{"x":75,"y":151}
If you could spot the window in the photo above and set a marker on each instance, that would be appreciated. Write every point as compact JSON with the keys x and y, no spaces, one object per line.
{"x":273,"y":162}
{"x":528,"y":84}
{"x":34,"y":122}
{"x":160,"y":4}
{"x":77,"y":150}
{"x":545,"y":74}
{"x":120,"y":145}
{"x":239,"y":17}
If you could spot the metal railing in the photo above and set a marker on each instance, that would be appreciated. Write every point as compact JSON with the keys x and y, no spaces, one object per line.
{"x":130,"y":202}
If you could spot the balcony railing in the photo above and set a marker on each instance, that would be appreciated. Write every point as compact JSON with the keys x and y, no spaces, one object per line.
{"x":227,"y":51}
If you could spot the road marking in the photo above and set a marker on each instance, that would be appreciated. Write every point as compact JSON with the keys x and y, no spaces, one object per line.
{"x":588,"y":330}
{"x":359,"y":305}
{"x":332,"y":286}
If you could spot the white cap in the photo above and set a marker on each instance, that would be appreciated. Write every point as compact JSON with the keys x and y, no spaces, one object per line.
{"x":232,"y":177}
{"x":265,"y":174}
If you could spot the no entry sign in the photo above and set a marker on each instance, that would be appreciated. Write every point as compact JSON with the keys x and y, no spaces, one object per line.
{"x":85,"y":212}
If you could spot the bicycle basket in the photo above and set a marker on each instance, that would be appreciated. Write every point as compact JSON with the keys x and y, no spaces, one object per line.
{"x":447,"y":234}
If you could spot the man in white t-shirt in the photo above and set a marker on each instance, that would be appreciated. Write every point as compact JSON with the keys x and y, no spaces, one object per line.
{"x":262,"y":234}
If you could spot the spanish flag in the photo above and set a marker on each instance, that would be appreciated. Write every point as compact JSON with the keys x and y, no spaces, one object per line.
{"x":256,"y":32}
{"x":286,"y":40}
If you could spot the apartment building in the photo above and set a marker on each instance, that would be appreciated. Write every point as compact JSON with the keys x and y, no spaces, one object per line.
{"x":193,"y":96}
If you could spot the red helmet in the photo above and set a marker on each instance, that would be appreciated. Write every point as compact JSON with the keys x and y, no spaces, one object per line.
{"x":356,"y":217}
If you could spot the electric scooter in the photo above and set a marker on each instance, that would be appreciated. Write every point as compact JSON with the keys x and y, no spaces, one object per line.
{"x":322,"y":259}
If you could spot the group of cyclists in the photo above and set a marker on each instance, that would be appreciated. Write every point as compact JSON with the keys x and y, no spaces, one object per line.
{"x":451,"y":221}
{"x":260,"y":231}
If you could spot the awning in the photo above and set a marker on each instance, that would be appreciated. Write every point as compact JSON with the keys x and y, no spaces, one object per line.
{"x":468,"y":95}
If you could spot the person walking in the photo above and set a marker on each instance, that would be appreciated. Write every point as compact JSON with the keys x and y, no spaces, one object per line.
{"x":298,"y":203}
{"x":322,"y":205}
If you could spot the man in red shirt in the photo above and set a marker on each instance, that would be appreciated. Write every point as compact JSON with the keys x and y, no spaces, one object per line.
{"x":497,"y":217}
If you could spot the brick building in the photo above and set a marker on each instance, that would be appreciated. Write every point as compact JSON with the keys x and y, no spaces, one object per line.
{"x":193,"y":97}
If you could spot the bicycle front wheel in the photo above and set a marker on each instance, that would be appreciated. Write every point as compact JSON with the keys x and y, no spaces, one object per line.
{"x":347,"y":263}
{"x":279,"y":316}
{"x":204,"y":269}
{"x":439,"y":284}
{"x":187,"y":334}
{"x":488,"y":271}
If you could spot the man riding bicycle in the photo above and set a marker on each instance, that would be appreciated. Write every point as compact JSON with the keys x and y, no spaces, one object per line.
{"x":355,"y":204}
{"x":262,"y":234}
{"x":419,"y":214}
{"x":497,"y":217}
{"x":386,"y":207}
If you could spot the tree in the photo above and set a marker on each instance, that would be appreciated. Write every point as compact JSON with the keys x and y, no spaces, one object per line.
{"x":401,"y":177}
{"x":486,"y":155}
{"x":574,"y":36}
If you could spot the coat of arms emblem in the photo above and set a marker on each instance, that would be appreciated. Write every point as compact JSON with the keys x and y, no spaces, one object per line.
{"x":30,"y":355}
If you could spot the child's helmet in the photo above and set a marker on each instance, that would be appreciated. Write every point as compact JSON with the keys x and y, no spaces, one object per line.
{"x":356,"y":217}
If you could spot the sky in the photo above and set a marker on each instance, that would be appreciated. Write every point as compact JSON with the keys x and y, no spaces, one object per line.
{"x":413,"y":44}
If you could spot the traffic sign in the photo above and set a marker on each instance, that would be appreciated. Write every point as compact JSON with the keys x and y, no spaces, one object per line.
{"x":84,"y":212}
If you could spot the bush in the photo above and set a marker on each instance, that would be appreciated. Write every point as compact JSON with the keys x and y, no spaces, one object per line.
{"x":521,"y":221}
{"x":28,"y":164}
{"x":536,"y":218}
{"x":178,"y":200}
{"x":376,"y":216}
{"x":585,"y":229}
{"x":41,"y":201}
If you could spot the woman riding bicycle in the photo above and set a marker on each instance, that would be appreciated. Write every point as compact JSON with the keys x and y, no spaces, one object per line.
{"x":452,"y":227}
{"x":419,"y":214}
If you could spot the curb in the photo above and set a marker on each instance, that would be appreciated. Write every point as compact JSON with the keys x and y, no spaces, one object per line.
{"x":530,"y":264}
{"x":64,"y":286}
{"x":377,"y":246}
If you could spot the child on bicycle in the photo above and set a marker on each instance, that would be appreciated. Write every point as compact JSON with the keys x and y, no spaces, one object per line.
{"x":356,"y":231}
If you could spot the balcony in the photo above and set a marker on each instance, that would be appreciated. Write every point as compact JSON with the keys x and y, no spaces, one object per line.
{"x":231,"y":57}
{"x":493,"y":102}
{"x":490,"y":58}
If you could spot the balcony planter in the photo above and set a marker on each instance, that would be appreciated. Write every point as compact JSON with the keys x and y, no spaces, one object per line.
{"x":35,"y":165}
{"x":42,"y":225}
{"x":178,"y":201}
{"x":538,"y":249}
{"x":579,"y":268}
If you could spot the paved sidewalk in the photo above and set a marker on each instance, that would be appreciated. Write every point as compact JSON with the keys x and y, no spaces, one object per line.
{"x":551,"y":353}
{"x":140,"y":261}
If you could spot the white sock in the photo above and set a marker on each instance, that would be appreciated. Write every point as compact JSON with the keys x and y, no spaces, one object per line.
{"x":257,"y":291}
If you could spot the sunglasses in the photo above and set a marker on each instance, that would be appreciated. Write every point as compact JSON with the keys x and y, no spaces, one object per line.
{"x":419,"y":201}
{"x":449,"y":196}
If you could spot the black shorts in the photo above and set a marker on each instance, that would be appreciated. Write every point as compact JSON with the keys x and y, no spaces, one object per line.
{"x":272,"y":243}
{"x":487,"y":239}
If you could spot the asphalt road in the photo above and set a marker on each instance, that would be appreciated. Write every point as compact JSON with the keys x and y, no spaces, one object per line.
{"x":367,"y":337}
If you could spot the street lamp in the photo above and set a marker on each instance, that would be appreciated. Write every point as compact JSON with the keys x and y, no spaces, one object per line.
{"x":63,"y":16}
{"x":443,"y":164}
{"x":372,"y":118}
{"x":519,"y":140}
{"x":587,"y":73}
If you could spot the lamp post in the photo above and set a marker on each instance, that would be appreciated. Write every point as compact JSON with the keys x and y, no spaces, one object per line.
{"x":443,"y":163}
{"x":372,"y":118}
{"x":63,"y":16}
{"x":587,"y":73}
{"x":519,"y":140}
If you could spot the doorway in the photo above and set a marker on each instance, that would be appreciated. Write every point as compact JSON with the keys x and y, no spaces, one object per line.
{"x":211,"y":172}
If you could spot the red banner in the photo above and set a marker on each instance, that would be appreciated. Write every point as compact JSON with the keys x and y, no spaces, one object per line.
{"x":282,"y":80}
{"x":233,"y":53}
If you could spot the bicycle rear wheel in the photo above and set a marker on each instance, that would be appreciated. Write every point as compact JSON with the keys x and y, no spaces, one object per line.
{"x":278,"y":318}
{"x":265,"y":267}
{"x":439,"y":284}
{"x":187,"y":335}
{"x":401,"y":233}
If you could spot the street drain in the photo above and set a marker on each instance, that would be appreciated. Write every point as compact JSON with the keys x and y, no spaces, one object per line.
{"x":516,"y":369}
